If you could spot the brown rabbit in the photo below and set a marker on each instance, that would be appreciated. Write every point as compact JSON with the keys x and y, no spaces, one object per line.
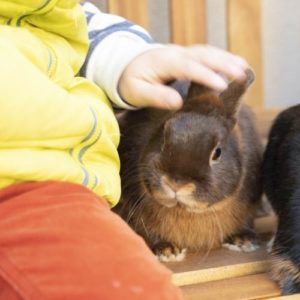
{"x":191,"y":178}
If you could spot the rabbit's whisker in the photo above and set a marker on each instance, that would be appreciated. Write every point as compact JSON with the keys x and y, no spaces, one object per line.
{"x":135,"y":207}
{"x":143,"y":223}
{"x":218,"y":224}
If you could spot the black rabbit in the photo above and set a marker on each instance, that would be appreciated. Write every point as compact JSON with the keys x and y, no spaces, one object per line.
{"x":281,"y":177}
{"x":191,"y":178}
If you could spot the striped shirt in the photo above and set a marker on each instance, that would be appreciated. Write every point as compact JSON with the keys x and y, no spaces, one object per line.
{"x":114,"y":43}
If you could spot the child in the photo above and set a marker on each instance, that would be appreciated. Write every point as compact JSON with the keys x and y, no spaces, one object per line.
{"x":59,"y":167}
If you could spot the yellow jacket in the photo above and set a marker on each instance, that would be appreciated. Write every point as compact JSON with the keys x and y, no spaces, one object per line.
{"x":57,"y":129}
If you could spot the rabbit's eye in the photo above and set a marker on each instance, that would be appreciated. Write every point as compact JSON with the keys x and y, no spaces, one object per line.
{"x":216,"y":154}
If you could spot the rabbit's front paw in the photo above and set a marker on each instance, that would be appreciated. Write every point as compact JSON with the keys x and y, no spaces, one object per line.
{"x":167,"y":252}
{"x":245,"y":241}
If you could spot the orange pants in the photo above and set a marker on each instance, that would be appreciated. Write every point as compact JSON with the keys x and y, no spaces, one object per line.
{"x":61,"y":241}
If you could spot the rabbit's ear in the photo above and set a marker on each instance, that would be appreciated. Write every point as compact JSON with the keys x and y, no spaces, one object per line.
{"x":196,"y":90}
{"x":232,"y":96}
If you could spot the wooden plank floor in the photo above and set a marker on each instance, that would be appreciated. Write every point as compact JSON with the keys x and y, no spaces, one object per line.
{"x":247,"y":287}
{"x":228,"y":275}
{"x":225,"y":274}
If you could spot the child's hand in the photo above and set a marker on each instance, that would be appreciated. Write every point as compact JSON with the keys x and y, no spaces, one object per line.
{"x":142,"y":82}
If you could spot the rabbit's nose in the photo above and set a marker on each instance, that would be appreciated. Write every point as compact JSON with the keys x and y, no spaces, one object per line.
{"x":174,"y":185}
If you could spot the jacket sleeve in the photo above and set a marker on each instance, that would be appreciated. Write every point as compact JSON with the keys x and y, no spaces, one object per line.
{"x":114,"y":42}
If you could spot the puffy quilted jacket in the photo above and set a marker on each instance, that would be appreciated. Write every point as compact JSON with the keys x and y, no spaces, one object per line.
{"x":54,"y":125}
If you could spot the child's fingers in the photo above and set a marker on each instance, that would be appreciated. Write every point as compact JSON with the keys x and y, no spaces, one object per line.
{"x":154,"y":95}
{"x":202,"y":74}
{"x":197,"y":64}
{"x":174,"y":63}
{"x":199,"y":50}
{"x":219,"y":60}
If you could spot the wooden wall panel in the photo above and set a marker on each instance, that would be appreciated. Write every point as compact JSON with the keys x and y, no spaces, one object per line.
{"x":216,"y":21}
{"x":159,"y":20}
{"x":133,"y":10}
{"x":244,"y":38}
{"x":188,"y":21}
{"x":101,"y":4}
